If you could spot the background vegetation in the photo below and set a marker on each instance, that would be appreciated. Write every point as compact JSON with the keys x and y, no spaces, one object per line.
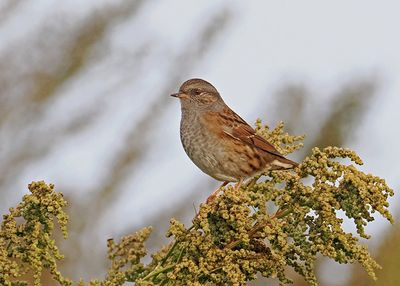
{"x":276,"y":221}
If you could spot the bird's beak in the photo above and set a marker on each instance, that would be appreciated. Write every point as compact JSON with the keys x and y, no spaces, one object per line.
{"x":180,"y":95}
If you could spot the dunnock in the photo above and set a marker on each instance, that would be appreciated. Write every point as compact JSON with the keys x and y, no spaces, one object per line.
{"x":219,"y":141}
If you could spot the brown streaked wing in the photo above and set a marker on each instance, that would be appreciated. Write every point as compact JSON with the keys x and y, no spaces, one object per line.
{"x":238,"y":128}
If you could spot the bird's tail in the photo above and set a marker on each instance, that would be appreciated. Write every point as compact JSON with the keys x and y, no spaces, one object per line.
{"x":282,"y":163}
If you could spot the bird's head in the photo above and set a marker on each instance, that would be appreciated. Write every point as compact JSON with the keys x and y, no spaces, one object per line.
{"x":198,"y":94}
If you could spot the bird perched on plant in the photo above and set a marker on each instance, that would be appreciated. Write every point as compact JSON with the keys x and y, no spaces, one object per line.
{"x":219,"y":141}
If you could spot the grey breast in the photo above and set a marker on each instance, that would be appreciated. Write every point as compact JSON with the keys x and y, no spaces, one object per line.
{"x":204,"y":148}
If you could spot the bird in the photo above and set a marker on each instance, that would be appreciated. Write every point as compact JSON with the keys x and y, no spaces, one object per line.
{"x":219,"y":141}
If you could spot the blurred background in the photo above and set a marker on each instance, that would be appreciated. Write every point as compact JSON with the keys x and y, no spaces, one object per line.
{"x":84,"y":104}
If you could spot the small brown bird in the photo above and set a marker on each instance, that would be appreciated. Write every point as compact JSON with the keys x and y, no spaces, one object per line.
{"x":219,"y":141}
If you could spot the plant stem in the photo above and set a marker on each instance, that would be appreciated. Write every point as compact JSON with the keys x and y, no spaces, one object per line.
{"x":258,"y":227}
{"x":169,"y":253}
{"x":155,"y":273}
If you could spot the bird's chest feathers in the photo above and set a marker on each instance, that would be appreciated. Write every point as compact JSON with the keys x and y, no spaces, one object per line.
{"x":200,"y":144}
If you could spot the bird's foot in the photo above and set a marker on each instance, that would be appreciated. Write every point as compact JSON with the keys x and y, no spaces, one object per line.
{"x":238,"y":185}
{"x":212,"y":197}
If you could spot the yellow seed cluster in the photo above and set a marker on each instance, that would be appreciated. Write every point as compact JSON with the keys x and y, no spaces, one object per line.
{"x":28,"y":246}
{"x":283,"y":142}
{"x":125,"y":259}
{"x":278,"y":220}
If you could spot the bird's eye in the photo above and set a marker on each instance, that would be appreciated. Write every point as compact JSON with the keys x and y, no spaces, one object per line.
{"x":196,"y":91}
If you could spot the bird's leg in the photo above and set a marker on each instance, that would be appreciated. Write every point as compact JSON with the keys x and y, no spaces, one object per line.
{"x":215,"y":193}
{"x":238,"y":185}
